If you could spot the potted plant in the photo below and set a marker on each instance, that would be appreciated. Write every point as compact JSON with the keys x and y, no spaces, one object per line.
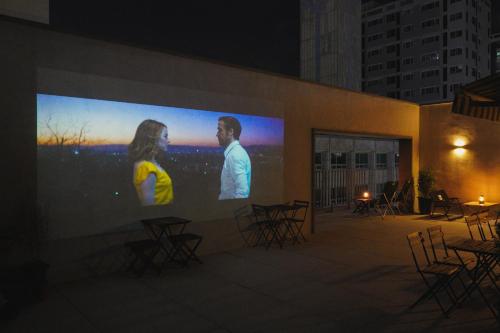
{"x":426,"y":182}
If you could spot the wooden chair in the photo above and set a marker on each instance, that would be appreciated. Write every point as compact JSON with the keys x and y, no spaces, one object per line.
{"x":387,"y":201}
{"x":436,"y":276}
{"x":475,"y":227}
{"x":486,"y":224}
{"x":440,"y":200}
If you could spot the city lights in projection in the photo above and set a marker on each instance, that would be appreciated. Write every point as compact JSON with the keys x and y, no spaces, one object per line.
{"x":157,"y":144}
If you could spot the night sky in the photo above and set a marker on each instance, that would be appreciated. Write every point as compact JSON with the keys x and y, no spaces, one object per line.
{"x":260,"y":34}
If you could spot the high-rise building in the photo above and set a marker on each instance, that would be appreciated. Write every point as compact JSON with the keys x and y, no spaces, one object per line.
{"x":495,"y":53}
{"x":330,"y":51}
{"x":423,"y":50}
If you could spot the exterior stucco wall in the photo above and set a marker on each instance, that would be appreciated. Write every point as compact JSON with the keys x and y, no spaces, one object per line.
{"x":465,"y":174}
{"x":35,"y":59}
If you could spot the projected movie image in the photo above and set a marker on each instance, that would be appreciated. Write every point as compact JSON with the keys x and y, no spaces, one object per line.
{"x":104,"y":163}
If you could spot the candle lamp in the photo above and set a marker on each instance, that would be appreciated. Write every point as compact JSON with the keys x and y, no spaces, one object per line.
{"x":481,"y":199}
{"x":366,"y":195}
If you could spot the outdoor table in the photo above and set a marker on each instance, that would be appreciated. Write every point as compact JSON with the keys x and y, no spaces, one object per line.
{"x":165,"y":229}
{"x":363,"y":205}
{"x":487,"y":255}
{"x":274,"y":220}
{"x":475,"y":207}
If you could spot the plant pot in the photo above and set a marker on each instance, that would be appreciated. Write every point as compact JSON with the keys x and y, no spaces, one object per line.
{"x":424,"y":205}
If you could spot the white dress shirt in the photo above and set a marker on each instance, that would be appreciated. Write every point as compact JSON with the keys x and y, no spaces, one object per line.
{"x":236,"y":173}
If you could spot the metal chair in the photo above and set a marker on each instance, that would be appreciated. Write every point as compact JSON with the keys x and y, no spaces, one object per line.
{"x":143,"y":251}
{"x":297,"y":219}
{"x":248,"y":228}
{"x":184,"y":247}
{"x":270,"y":225}
{"x":442,"y":274}
{"x":441,"y":200}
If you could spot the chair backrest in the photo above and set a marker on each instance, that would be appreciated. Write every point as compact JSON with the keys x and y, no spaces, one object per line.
{"x":486,"y":221}
{"x":260,"y":213}
{"x":383,"y":199}
{"x":405,"y":189}
{"x":418,"y":250}
{"x":243,"y":217}
{"x":436,"y":237}
{"x":390,"y":188}
{"x":439,"y":196}
{"x":301,"y":209}
{"x":475,"y":228}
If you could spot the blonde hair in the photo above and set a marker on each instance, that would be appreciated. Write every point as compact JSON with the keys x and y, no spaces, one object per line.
{"x":144,"y":146}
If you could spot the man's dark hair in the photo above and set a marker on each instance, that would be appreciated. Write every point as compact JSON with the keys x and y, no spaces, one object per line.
{"x":232,"y":123}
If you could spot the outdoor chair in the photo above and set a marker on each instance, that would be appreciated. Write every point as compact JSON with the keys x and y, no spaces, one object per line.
{"x":248,"y":228}
{"x":441,"y":201}
{"x":486,"y":224}
{"x":404,"y":197}
{"x":270,"y":226}
{"x":297,"y":219}
{"x":143,"y":253}
{"x":475,"y":228}
{"x":437,"y":277}
{"x":436,"y":238}
{"x":184,"y":247}
{"x":387,"y":200}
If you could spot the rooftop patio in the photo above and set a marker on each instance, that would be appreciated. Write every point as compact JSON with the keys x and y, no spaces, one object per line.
{"x":354,"y":275}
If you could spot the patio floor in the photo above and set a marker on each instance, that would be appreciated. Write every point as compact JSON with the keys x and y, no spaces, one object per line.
{"x":354,"y":275}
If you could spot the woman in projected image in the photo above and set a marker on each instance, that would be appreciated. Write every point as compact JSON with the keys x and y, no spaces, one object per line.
{"x":151,"y":181}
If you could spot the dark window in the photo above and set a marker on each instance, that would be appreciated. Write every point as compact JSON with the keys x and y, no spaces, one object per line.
{"x":456,"y":16}
{"x":317,"y":158}
{"x":381,"y":160}
{"x":339,"y":160}
{"x":430,"y":5}
{"x":430,"y":39}
{"x":361,"y":160}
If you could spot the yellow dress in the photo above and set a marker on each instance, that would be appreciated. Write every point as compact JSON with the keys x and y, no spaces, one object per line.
{"x":164,"y":192}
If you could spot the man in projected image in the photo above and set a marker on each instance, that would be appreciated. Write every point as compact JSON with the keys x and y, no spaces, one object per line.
{"x":237,"y":170}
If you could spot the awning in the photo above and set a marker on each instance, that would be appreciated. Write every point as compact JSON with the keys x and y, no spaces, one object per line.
{"x":479,"y":99}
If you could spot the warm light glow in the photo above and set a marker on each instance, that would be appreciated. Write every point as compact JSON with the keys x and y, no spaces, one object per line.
{"x":459,"y":142}
{"x":366,"y":194}
{"x":481,"y":199}
{"x":459,"y":151}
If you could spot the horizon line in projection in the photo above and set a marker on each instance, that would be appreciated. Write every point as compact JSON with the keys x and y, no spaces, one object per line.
{"x":93,"y":122}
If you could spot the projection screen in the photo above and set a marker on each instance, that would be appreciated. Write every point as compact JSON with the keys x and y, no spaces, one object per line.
{"x":102,"y":163}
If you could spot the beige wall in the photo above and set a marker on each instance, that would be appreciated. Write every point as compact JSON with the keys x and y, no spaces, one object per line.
{"x":112,"y":71}
{"x":467,"y":175}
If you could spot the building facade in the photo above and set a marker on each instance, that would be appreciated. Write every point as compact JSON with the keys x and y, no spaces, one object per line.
{"x":330,"y":51}
{"x":495,"y":53}
{"x":423,"y":50}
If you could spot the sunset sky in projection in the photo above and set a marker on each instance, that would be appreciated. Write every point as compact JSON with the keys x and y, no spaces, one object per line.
{"x":109,"y":122}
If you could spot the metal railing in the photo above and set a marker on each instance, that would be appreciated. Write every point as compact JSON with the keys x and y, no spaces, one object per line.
{"x":338,"y":187}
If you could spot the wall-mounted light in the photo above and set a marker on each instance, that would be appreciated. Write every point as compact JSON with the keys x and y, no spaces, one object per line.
{"x":459,"y":151}
{"x":459,"y":144}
